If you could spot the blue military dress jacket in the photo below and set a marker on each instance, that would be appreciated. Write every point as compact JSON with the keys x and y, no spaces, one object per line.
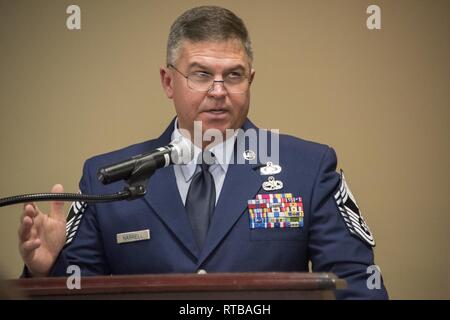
{"x":324,"y":237}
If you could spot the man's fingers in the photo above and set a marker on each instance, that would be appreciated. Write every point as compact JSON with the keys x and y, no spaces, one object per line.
{"x":57,"y":207}
{"x":25,"y":229}
{"x":29,"y":209}
{"x":29,"y":246}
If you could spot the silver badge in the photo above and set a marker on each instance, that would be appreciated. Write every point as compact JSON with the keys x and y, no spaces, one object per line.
{"x":270,"y":169}
{"x":272,"y":184}
{"x":249,"y":155}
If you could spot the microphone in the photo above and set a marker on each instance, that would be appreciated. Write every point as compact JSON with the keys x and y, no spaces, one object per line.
{"x":178,"y":151}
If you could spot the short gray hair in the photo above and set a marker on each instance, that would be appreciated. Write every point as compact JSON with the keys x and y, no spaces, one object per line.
{"x":207,"y":23}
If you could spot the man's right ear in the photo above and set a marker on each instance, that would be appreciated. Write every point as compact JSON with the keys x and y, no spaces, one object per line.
{"x":166,"y":81}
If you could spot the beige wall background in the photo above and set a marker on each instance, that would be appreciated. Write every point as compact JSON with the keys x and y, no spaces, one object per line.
{"x":380,"y":98}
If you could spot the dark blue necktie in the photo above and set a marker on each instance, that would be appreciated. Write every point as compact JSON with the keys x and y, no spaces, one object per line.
{"x":200,"y":203}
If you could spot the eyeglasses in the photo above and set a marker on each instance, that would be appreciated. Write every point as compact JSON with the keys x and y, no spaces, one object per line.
{"x":201,"y":81}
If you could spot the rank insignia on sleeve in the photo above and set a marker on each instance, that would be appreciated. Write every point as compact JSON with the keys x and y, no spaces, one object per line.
{"x":350,"y":212}
{"x":76,"y":212}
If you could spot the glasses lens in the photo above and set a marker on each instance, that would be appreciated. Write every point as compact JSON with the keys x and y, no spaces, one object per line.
{"x":237,"y":86}
{"x":204,"y":82}
{"x":200,"y":82}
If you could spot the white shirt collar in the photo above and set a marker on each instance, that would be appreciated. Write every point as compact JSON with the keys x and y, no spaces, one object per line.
{"x":223,"y":153}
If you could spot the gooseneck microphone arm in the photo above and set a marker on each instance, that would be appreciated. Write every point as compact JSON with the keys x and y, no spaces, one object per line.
{"x":135,"y":171}
{"x":136,"y":188}
{"x":38,"y":197}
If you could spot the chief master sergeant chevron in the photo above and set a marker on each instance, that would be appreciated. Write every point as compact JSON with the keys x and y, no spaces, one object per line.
{"x":228,"y":216}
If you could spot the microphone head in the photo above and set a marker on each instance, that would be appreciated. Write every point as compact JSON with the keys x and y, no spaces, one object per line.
{"x":182,"y":151}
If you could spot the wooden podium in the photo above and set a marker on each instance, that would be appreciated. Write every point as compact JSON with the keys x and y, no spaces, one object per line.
{"x":213,"y":286}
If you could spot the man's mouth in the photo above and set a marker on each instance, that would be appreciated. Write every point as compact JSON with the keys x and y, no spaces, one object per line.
{"x":217,"y":111}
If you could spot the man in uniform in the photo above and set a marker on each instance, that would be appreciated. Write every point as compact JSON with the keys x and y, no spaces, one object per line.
{"x":237,"y":213}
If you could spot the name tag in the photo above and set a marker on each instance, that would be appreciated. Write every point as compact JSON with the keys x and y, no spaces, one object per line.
{"x":133,"y":236}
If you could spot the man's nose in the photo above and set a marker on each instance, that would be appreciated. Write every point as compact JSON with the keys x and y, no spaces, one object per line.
{"x":217,"y":89}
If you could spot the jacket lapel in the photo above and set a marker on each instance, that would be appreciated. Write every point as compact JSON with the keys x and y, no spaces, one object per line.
{"x":163,"y":196}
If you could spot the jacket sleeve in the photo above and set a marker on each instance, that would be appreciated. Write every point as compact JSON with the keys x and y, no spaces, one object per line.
{"x":84,"y":246}
{"x":332,"y":247}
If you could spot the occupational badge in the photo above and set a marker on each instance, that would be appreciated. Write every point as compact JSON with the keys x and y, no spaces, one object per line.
{"x":270,"y":169}
{"x":271,"y":184}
